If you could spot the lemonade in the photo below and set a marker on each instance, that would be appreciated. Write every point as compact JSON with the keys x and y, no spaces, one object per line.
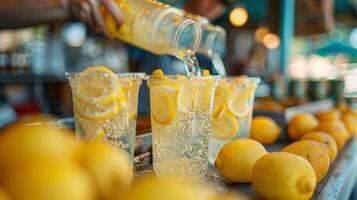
{"x":181,"y":114}
{"x":105,"y":106}
{"x":132,"y":92}
{"x":232,"y":111}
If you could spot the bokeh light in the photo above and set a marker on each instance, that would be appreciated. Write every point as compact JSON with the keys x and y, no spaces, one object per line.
{"x":260,"y":33}
{"x":271,"y":41}
{"x":238,"y":16}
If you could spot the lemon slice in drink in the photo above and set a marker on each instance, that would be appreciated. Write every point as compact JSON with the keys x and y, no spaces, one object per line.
{"x":92,"y":129}
{"x":186,"y":99}
{"x":164,"y":98}
{"x":239,"y":107}
{"x":219,"y":111}
{"x":98,"y":112}
{"x":96,"y":85}
{"x":225,"y":127}
{"x":222,"y":93}
{"x":239,"y":103}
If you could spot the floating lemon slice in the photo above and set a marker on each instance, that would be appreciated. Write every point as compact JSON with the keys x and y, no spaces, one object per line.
{"x":97,"y":112}
{"x":164,"y":98}
{"x":205,"y":72}
{"x":96,"y":85}
{"x":225,"y":127}
{"x":186,"y":99}
{"x":92,"y":129}
{"x":219,"y":111}
{"x":239,"y":103}
{"x":222,"y":93}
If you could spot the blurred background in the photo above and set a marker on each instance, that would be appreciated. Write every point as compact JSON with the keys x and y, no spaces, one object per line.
{"x":300,"y":49}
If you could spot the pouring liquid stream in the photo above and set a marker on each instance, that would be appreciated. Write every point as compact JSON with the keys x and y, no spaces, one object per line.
{"x":192,"y":67}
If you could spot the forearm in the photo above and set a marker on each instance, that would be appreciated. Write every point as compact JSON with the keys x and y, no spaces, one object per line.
{"x":23,"y":13}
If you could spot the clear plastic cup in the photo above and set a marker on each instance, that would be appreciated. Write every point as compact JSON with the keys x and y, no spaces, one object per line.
{"x":181,"y":114}
{"x":113,"y":118}
{"x":232,"y":112}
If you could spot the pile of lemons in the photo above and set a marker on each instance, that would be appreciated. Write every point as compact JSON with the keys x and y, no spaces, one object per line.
{"x":294,"y":171}
{"x":40,"y":160}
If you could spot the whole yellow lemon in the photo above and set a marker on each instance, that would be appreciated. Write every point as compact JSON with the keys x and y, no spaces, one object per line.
{"x":337,"y":130}
{"x":325,"y":138}
{"x":329,"y":115}
{"x":109,"y":167}
{"x":283,"y":176}
{"x":264,"y":130}
{"x":236,"y":159}
{"x":22,"y":143}
{"x":48,"y":180}
{"x":154,"y":188}
{"x":300,"y":124}
{"x":4,"y":195}
{"x":315,"y":152}
{"x":350,"y":122}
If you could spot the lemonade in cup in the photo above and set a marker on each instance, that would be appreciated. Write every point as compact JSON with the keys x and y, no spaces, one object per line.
{"x":181,"y":114}
{"x":105,"y":106}
{"x":232,"y":111}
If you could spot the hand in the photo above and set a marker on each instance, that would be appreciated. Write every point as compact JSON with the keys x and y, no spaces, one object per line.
{"x":89,"y":11}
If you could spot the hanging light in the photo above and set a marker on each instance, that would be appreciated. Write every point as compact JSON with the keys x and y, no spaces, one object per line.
{"x":271,"y":41}
{"x":238,"y":16}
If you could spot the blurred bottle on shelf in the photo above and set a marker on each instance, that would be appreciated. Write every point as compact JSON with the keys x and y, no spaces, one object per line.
{"x":38,"y":52}
{"x":4,"y":62}
{"x":298,"y":91}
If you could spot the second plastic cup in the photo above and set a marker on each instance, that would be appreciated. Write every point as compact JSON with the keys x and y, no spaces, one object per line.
{"x":232,"y":112}
{"x":110,"y":116}
{"x":181,"y":114}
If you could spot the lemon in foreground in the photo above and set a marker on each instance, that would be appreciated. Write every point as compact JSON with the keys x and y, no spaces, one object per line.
{"x":109,"y":168}
{"x":337,"y":130}
{"x":48,"y":180}
{"x":283,"y":176}
{"x":350,"y":121}
{"x":264,"y":130}
{"x":236,"y":159}
{"x":300,"y":124}
{"x":329,"y":115}
{"x":323,"y":138}
{"x":22,"y":143}
{"x":4,"y":195}
{"x":315,"y":152}
{"x":152,"y":188}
